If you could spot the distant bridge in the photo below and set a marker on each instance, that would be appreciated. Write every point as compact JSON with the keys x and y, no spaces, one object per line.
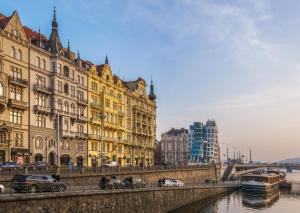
{"x":237,"y":170}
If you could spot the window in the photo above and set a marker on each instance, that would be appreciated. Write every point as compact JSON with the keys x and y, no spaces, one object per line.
{"x":72,"y":74}
{"x":19,"y":139}
{"x":115,"y":106}
{"x":16,"y":93}
{"x":19,"y":56}
{"x":66,"y":71}
{"x":66,"y":107}
{"x":43,"y":64}
{"x":13,"y":52}
{"x":72,"y":91}
{"x":40,"y":100}
{"x":80,"y":95}
{"x":107,"y":103}
{"x":1,"y":89}
{"x":82,"y":81}
{"x":119,"y":96}
{"x":94,"y":86}
{"x":79,"y":146}
{"x":41,"y":81}
{"x":80,"y":128}
{"x":59,"y":68}
{"x":111,"y":92}
{"x":15,"y":117}
{"x":81,"y":111}
{"x":103,"y":89}
{"x":37,"y":62}
{"x":59,"y":86}
{"x":59,"y":104}
{"x":78,"y":79}
{"x":72,"y":107}
{"x":15,"y":73}
{"x":66,"y":124}
{"x":40,"y":121}
{"x":66,"y":89}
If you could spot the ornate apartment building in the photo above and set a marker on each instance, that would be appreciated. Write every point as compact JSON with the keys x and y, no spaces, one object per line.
{"x":14,"y":86}
{"x":51,"y":99}
{"x":174,"y":146}
{"x":106,"y":98}
{"x":140,"y":123}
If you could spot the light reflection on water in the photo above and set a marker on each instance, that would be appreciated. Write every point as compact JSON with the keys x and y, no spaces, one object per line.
{"x":286,"y":201}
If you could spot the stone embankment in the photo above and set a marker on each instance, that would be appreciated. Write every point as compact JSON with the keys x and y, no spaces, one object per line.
{"x":146,"y":200}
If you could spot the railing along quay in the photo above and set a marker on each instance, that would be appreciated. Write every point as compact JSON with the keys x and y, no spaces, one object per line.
{"x":77,"y":187}
{"x":76,"y":171}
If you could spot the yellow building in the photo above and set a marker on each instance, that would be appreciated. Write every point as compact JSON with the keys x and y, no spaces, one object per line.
{"x":106,"y":96}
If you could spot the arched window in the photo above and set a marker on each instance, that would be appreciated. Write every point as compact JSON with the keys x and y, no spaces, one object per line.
{"x":43,"y":64}
{"x":81,"y":111}
{"x":111,"y":92}
{"x":103,"y":89}
{"x":72,"y":108}
{"x":66,"y":71}
{"x":66,"y":107}
{"x":1,"y":89}
{"x":119,"y":97}
{"x":66,"y":88}
{"x":13,"y":52}
{"x":59,"y":104}
{"x":20,"y":55}
{"x":37,"y":62}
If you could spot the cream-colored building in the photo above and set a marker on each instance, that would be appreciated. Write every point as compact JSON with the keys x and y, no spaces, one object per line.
{"x":13,"y":89}
{"x":140,"y":123}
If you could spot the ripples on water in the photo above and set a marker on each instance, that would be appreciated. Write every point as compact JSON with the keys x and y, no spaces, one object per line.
{"x":286,"y":201}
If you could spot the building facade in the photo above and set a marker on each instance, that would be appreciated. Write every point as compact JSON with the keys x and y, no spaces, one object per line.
{"x":140,"y":123}
{"x":174,"y":146}
{"x":51,"y":99}
{"x":204,"y":143}
{"x":14,"y":84}
{"x":212,"y":147}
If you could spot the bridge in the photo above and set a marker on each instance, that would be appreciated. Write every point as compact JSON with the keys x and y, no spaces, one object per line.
{"x":234,"y":171}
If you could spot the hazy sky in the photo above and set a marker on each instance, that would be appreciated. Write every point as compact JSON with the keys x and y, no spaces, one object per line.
{"x":236,"y":61}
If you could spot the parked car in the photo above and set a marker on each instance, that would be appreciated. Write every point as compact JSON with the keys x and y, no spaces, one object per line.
{"x":170,"y":182}
{"x":2,"y":188}
{"x":131,"y":182}
{"x":110,"y":164}
{"x":111,"y":183}
{"x":9,"y":165}
{"x":36,"y":183}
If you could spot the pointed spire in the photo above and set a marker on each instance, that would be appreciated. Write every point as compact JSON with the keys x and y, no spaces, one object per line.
{"x":69,"y":51}
{"x":54,"y":22}
{"x":54,"y":44}
{"x":78,"y":60}
{"x":152,"y":96}
{"x":106,"y":60}
{"x":39,"y":38}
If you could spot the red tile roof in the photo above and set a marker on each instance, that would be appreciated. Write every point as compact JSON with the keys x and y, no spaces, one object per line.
{"x":4,"y":20}
{"x":34,"y":35}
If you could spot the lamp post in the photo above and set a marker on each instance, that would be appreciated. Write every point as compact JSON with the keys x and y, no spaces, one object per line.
{"x":234,"y":147}
{"x":227,"y":159}
{"x":102,"y":116}
{"x":250,"y":154}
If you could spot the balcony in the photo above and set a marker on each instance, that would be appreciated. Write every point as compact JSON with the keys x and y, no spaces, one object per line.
{"x":82,"y":101}
{"x":96,"y":121}
{"x":94,"y":137}
{"x":82,"y":119}
{"x":16,"y":104}
{"x":42,"y":109}
{"x":95,"y":106}
{"x":67,"y":134}
{"x":42,"y":89}
{"x":18,"y":81}
{"x":10,"y":124}
{"x":81,"y":135}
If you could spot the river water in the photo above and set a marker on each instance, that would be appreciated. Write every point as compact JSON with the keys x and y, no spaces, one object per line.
{"x":286,"y":201}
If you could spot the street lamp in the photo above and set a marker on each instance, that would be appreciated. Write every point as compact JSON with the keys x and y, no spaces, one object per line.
{"x":234,"y":147}
{"x":250,"y":154}
{"x":227,"y":159}
{"x":102,"y":116}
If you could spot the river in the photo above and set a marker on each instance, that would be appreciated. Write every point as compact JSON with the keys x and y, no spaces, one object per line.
{"x":286,"y":201}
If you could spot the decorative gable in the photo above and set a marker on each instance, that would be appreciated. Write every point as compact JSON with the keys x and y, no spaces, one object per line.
{"x":15,"y":27}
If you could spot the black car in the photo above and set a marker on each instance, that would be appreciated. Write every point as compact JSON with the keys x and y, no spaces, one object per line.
{"x":111,"y":183}
{"x":36,"y":183}
{"x":131,"y":182}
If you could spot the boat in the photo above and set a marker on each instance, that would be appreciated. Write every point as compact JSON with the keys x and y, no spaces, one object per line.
{"x":283,"y":183}
{"x":266,"y":183}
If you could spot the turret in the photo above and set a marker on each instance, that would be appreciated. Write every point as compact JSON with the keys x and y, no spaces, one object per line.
{"x":152,"y":96}
{"x":54,"y":44}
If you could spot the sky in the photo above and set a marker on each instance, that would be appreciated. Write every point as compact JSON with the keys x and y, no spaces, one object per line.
{"x":235,"y":61}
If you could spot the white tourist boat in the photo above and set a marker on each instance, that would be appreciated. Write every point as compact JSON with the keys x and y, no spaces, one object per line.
{"x":263,"y":184}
